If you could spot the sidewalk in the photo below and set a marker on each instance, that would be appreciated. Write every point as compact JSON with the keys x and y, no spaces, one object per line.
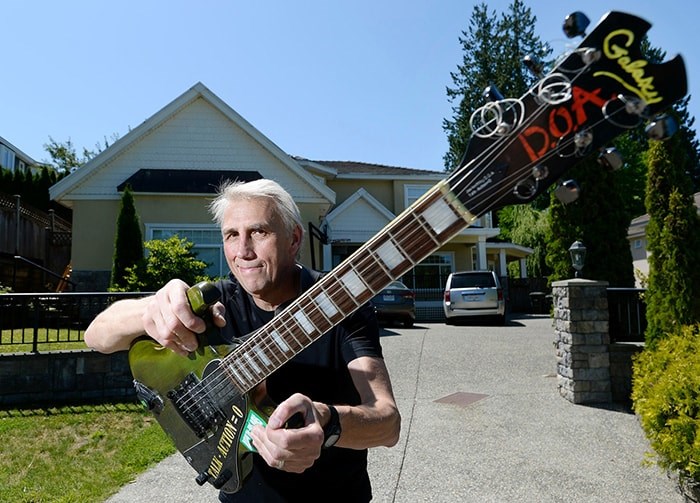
{"x":482,"y":422}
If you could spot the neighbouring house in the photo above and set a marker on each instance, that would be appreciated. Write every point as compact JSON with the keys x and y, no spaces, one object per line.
{"x":174,"y":161}
{"x":636,"y":235}
{"x":12,"y":158}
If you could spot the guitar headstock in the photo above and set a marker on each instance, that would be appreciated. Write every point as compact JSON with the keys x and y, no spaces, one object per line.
{"x":596,"y":92}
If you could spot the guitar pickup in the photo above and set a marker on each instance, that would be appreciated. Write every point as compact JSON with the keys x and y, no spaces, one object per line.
{"x":149,"y":398}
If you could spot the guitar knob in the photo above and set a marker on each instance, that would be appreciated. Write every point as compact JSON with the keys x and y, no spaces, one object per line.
{"x":533,"y":65}
{"x":492,"y":93}
{"x":575,"y":24}
{"x":567,"y":192}
{"x":610,"y":159}
{"x":202,"y":478}
{"x":662,"y":128}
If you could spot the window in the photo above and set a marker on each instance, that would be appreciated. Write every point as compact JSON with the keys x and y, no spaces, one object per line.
{"x":208,"y":244}
{"x":413,"y":192}
{"x":637,"y":243}
{"x":431,"y":273}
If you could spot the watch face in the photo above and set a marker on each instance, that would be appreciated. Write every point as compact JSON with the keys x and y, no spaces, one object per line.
{"x":331,"y":440}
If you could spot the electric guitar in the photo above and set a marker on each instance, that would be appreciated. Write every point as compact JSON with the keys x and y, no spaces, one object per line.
{"x":518,"y":149}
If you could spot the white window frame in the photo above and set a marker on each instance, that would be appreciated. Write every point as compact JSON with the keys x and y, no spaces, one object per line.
{"x":417,"y":189}
{"x":215,"y":270}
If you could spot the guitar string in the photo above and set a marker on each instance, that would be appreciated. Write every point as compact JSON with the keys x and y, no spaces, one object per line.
{"x":212,"y":381}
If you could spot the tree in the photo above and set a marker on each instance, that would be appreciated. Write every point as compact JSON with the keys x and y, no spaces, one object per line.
{"x":166,"y":259}
{"x":128,"y":243}
{"x":673,"y":237}
{"x":65,"y":159}
{"x":63,"y":155}
{"x":493,"y":50}
{"x":597,"y":218}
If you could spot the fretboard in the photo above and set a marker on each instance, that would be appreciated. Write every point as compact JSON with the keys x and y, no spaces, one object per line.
{"x":421,"y":229}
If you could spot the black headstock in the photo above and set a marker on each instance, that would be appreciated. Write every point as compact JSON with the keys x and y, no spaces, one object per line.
{"x":599,"y":90}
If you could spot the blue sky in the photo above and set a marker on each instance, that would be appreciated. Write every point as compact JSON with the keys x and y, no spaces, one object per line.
{"x":327,"y":80}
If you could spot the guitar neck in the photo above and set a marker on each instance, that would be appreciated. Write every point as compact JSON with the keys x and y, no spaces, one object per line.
{"x":421,"y":229}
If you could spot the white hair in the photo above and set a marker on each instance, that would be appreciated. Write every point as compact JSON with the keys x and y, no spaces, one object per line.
{"x":233,"y":190}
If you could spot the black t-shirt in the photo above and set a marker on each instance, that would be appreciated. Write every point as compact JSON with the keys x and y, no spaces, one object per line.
{"x":319,"y":372}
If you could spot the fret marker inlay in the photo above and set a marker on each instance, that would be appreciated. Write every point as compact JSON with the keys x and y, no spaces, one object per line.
{"x":353,"y":283}
{"x":439,"y":216}
{"x":262,"y":356}
{"x":326,"y":305}
{"x":279,"y":341}
{"x":390,"y":254}
{"x":304,"y":322}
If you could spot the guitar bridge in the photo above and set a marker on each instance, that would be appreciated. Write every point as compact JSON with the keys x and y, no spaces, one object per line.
{"x":196,"y":407}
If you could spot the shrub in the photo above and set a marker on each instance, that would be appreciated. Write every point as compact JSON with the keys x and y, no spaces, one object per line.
{"x":666,"y":396}
{"x":166,"y":259}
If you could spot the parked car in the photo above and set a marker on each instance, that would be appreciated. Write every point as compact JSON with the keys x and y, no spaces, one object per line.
{"x":396,"y":302}
{"x":474,"y":293}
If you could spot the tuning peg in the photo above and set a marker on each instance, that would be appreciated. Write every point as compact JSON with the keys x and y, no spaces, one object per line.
{"x":534,"y":65}
{"x":610,"y":159}
{"x":575,"y":24}
{"x":662,"y":127}
{"x":567,"y":192}
{"x":492,"y":93}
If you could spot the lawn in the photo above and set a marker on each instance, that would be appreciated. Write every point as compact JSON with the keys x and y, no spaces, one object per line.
{"x":76,"y":454}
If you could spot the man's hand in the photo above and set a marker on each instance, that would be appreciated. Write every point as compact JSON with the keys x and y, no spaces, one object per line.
{"x":293,"y":449}
{"x":168,"y":318}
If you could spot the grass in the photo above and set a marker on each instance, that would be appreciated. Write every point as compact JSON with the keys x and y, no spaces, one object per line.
{"x":76,"y":454}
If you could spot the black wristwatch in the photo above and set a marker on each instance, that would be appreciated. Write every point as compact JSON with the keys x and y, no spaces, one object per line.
{"x":332,"y":430}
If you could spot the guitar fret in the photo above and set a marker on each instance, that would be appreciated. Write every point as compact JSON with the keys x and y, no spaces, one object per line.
{"x":233,"y":370}
{"x":439,"y":216}
{"x":390,"y":255}
{"x":352,"y":282}
{"x":326,"y":306}
{"x":285,"y":330}
{"x":281,"y":344}
{"x":251,"y":363}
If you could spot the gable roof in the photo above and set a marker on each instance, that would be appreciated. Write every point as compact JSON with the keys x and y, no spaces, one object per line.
{"x":18,"y":153}
{"x":66,"y":189}
{"x":362,"y":170}
{"x":358,"y":218}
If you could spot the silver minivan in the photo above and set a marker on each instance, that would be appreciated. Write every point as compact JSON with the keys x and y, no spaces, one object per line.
{"x":474,"y":293}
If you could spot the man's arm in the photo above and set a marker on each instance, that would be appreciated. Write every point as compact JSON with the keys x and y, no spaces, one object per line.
{"x":165,"y":316}
{"x":375,"y":421}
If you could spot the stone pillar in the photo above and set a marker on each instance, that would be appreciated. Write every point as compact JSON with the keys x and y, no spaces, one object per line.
{"x":582,"y":340}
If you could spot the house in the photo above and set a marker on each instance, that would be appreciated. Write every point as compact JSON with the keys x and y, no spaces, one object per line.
{"x":636,"y":235}
{"x":174,"y":161}
{"x":12,"y":158}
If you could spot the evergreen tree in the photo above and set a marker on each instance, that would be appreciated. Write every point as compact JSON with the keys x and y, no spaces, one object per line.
{"x":493,"y":50}
{"x":599,"y":220}
{"x":128,"y":243}
{"x":673,"y":237}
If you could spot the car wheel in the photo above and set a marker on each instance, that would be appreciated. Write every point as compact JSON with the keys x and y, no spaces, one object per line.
{"x":408,"y":322}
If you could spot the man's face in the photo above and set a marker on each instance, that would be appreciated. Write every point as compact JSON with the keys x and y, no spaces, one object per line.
{"x":259,"y":250}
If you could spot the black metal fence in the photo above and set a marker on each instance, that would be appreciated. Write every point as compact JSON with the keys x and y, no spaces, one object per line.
{"x":627,"y":314}
{"x":36,"y":320}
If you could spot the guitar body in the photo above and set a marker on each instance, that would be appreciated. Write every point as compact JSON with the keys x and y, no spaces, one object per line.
{"x":208,"y":421}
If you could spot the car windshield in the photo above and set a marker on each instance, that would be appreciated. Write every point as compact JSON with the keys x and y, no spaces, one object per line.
{"x":476,"y":280}
{"x":396,"y":284}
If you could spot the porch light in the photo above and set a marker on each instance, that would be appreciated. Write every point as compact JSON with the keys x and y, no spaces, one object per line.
{"x":578,"y":256}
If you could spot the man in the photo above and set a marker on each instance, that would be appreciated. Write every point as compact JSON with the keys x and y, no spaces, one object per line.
{"x":339,"y":384}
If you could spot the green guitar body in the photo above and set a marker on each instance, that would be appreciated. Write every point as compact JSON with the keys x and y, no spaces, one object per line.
{"x":195,"y":403}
